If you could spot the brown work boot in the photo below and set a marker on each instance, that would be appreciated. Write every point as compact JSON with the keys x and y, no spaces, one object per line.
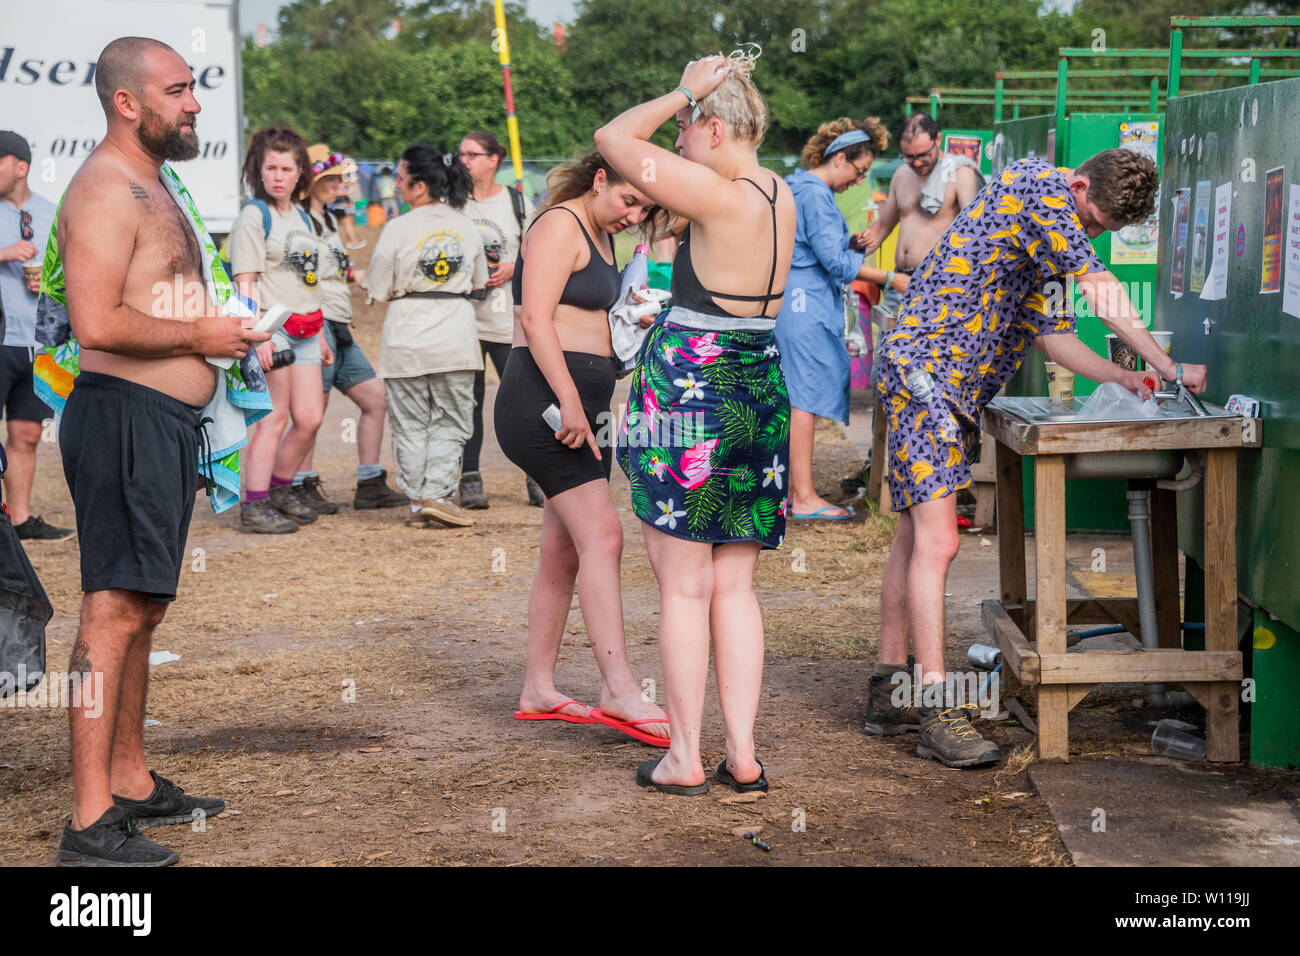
{"x":262,"y":517}
{"x":375,"y":493}
{"x":444,"y":511}
{"x":884,"y":718}
{"x":310,"y":494}
{"x":286,"y":500}
{"x":946,"y":735}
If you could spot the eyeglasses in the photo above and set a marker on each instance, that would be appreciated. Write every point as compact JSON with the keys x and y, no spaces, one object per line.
{"x":26,"y":218}
{"x":860,"y":170}
{"x":918,"y":157}
{"x":466,"y":154}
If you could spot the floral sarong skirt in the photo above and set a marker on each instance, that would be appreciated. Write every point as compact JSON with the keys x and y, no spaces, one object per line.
{"x":705,"y":439}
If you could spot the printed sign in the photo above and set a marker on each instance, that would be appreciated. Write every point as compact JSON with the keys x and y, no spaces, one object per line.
{"x":1271,"y":279}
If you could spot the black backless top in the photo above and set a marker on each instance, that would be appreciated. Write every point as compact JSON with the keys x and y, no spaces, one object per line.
{"x":594,"y":286}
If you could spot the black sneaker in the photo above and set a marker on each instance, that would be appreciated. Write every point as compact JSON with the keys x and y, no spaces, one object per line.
{"x":286,"y":501}
{"x":375,"y":493}
{"x":168,"y":804}
{"x":35,"y":529}
{"x":535,"y":496}
{"x":262,"y":517}
{"x":310,"y":494}
{"x":112,"y":840}
{"x":472,"y":495}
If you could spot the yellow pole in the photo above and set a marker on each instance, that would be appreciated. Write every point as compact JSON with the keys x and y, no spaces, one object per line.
{"x":512,"y":125}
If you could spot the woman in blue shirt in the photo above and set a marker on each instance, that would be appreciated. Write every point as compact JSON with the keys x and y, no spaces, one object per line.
{"x":810,"y":327}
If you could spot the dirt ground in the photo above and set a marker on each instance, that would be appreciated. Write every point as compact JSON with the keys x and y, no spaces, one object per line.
{"x":424,"y":764}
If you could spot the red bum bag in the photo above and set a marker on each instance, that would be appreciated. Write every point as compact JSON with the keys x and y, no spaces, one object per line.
{"x":304,"y":326}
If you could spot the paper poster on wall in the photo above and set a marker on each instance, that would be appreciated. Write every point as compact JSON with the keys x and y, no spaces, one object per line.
{"x":1199,"y":239}
{"x":1216,"y":283}
{"x":1271,"y":276}
{"x":968,"y":146}
{"x":1291,"y":289}
{"x":1178,"y":274}
{"x":1137,"y":244}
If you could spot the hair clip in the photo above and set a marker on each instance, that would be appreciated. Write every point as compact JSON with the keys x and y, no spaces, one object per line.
{"x":448,"y":159}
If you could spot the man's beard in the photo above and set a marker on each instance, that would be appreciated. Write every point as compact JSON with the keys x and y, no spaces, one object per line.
{"x":169,"y":143}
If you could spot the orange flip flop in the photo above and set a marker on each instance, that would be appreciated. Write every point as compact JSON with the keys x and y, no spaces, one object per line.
{"x":629,"y":727}
{"x":553,"y":714}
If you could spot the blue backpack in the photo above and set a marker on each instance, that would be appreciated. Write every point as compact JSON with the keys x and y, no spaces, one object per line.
{"x":261,"y":205}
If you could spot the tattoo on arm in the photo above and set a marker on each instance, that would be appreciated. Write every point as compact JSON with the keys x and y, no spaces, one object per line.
{"x":139,"y":192}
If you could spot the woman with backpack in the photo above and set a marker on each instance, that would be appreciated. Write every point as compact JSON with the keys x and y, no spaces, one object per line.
{"x":275,"y":258}
{"x":500,"y":214}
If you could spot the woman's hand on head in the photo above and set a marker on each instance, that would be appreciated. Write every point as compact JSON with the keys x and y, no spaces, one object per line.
{"x":702,"y":76}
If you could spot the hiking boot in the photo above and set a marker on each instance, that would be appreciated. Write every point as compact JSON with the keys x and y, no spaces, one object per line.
{"x":947,"y":736}
{"x":112,"y":840}
{"x":262,"y":517}
{"x":375,"y":493}
{"x":168,"y":804}
{"x":310,"y":494}
{"x":472,"y":495}
{"x":285,"y":499}
{"x":444,"y":511}
{"x":35,"y":529}
{"x":535,"y":496}
{"x":884,"y":718}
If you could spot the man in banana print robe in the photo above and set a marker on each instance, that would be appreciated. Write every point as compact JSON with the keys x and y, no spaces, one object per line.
{"x":996,"y":283}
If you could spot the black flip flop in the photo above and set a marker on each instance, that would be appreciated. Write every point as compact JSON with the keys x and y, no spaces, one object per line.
{"x":643,"y":779}
{"x":724,"y":776}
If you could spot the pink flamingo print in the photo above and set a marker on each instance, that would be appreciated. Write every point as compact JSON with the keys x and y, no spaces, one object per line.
{"x":704,"y":346}
{"x":696,"y":464}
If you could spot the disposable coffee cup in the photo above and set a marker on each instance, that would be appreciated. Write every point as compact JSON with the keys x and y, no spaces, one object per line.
{"x":32,"y":270}
{"x":1122,"y":354}
{"x":1166,"y":342}
{"x":1060,"y":384}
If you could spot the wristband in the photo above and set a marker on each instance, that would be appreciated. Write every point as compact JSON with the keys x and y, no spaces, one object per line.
{"x":696,"y":112}
{"x":1178,"y":373}
{"x":889,"y":278}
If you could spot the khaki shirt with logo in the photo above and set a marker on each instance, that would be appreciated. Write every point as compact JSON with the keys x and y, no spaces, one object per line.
{"x":287,"y":259}
{"x":335,"y":261}
{"x":431,"y":248}
{"x":500,"y":231}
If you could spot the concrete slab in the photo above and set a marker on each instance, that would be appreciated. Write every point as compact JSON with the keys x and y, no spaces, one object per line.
{"x":1163,"y":812}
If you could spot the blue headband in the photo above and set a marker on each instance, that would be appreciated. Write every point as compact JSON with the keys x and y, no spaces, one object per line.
{"x":852,"y":137}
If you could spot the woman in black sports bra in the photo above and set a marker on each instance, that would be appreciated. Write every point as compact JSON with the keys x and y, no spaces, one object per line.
{"x":712,"y":492}
{"x":565,"y":282}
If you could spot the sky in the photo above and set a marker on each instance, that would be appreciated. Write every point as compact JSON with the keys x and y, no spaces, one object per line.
{"x":253,"y":12}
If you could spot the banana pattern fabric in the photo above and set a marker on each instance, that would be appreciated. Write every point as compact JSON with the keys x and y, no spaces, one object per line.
{"x":997,"y":280}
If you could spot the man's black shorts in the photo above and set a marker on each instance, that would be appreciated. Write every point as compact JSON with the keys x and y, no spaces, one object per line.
{"x":130,"y":455}
{"x":17,"y":391}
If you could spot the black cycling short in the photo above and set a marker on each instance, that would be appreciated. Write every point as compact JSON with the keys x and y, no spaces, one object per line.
{"x":130,"y":455}
{"x":17,"y":391}
{"x":531,"y":443}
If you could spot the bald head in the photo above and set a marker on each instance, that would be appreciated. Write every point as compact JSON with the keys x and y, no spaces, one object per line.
{"x":124,"y":65}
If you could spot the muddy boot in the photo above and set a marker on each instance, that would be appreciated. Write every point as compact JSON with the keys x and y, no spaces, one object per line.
{"x":310,"y":494}
{"x":262,"y":517}
{"x":535,"y":496}
{"x":472,"y":495}
{"x":884,"y":719}
{"x":375,"y":493}
{"x":287,"y":501}
{"x":947,"y":736}
{"x":443,"y":511}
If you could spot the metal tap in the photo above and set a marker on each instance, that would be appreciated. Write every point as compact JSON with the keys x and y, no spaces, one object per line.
{"x":1181,"y":393}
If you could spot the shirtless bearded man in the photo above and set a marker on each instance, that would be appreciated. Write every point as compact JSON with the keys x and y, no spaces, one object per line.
{"x":129,"y":436}
{"x":918,"y":229}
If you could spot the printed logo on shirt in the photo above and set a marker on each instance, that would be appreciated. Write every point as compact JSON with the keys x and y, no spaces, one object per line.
{"x":441,"y":255}
{"x":302,"y":255}
{"x":341,"y":259}
{"x":494,"y":240}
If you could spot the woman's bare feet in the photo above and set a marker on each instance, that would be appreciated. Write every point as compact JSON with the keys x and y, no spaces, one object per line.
{"x":541,"y":702}
{"x":632,"y":706}
{"x":679,"y":772}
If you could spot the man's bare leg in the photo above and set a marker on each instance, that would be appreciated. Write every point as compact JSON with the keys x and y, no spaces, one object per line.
{"x":934,"y":545}
{"x":110,"y":623}
{"x":129,"y":771}
{"x":20,"y":448}
{"x":893,"y":595}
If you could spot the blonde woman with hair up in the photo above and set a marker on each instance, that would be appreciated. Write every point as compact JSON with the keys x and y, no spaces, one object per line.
{"x":710,"y":492}
{"x":810,"y":328}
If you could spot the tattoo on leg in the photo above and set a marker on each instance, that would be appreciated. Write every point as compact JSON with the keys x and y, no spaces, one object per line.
{"x":139,"y":192}
{"x":80,"y":663}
